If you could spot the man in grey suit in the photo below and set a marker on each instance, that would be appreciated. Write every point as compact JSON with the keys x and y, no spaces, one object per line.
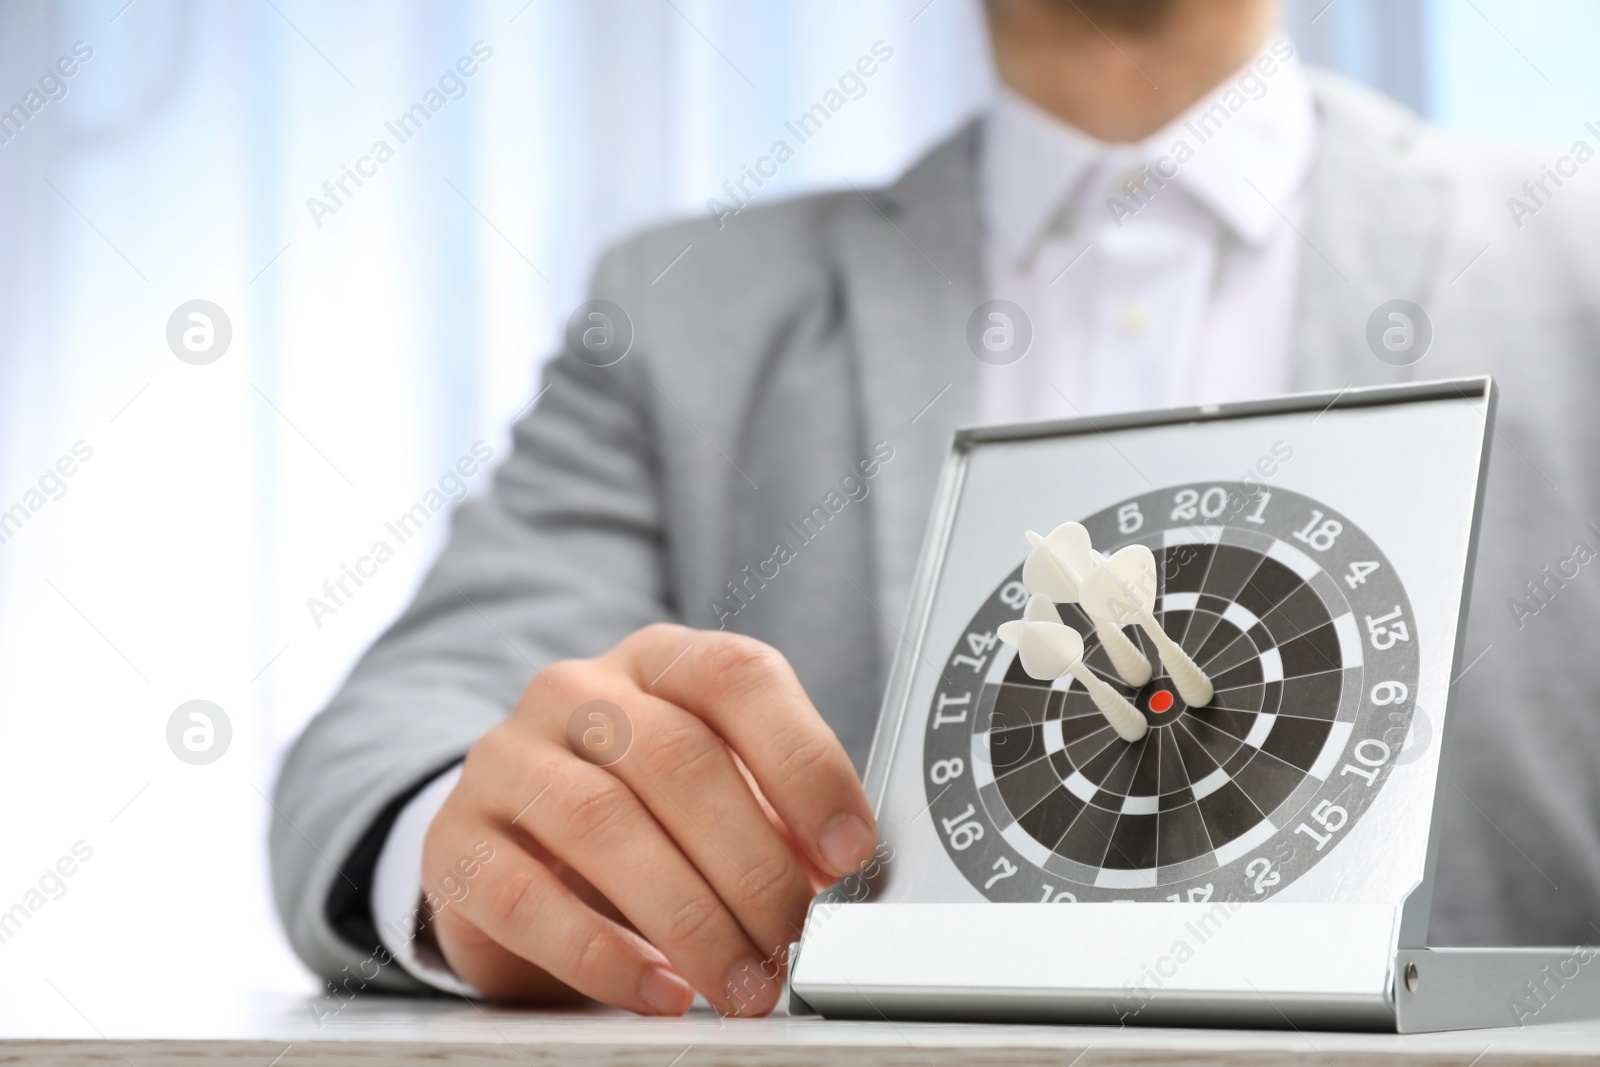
{"x":660,"y":641}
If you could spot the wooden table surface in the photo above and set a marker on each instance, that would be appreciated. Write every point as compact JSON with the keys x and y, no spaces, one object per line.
{"x":135,"y":1027}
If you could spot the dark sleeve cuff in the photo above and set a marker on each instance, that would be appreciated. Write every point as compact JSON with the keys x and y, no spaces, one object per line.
{"x":349,"y":906}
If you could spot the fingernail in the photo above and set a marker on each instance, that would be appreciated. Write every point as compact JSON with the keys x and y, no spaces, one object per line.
{"x":846,"y":844}
{"x":747,"y":988}
{"x":664,"y":992}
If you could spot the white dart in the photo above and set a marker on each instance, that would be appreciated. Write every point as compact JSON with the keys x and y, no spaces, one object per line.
{"x":1049,"y":648}
{"x":1055,"y":568}
{"x":1057,"y":562}
{"x":1123,"y":588}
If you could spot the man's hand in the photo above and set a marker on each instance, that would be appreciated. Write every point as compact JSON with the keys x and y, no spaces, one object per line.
{"x":686,"y":864}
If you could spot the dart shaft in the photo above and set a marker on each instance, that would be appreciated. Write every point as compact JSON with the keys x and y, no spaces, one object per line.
{"x":1191,"y":682}
{"x":1123,"y":716}
{"x":1130,"y":664}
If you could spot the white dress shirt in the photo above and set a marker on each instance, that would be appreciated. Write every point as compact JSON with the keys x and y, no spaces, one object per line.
{"x":1176,"y":291}
{"x":1180,"y":295}
{"x":397,"y":887}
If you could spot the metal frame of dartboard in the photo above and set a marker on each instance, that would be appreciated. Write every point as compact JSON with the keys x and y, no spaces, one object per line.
{"x":1323,"y":965}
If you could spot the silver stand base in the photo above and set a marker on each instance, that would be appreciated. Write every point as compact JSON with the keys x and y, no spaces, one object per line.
{"x":1306,"y":966}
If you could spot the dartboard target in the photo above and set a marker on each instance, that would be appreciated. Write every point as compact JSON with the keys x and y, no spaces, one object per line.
{"x":1308,"y":637}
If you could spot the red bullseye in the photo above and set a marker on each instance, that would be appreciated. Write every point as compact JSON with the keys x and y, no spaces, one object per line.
{"x":1161,"y":701}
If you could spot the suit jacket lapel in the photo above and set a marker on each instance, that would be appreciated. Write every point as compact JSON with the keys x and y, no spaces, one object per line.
{"x":1375,"y":231}
{"x":909,"y":263}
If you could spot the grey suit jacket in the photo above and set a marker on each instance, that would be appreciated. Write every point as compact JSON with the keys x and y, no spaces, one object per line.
{"x":783,"y":346}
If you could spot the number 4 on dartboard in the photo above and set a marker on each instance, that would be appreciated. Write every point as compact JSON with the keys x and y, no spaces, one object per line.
{"x":1358,"y":573}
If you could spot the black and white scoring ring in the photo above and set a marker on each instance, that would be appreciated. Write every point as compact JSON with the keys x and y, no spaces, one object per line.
{"x":1308,"y":637}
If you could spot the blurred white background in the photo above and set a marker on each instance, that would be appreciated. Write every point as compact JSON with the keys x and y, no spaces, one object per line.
{"x":373,"y":346}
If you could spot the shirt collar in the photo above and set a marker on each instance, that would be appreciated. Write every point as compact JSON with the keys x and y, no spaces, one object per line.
{"x":1254,"y":129}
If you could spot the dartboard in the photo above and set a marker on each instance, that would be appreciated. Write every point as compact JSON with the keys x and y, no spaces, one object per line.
{"x":1307,"y":635}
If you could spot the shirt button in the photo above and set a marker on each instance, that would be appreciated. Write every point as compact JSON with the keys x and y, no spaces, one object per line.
{"x":1134,"y":317}
{"x":1127,"y":183}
